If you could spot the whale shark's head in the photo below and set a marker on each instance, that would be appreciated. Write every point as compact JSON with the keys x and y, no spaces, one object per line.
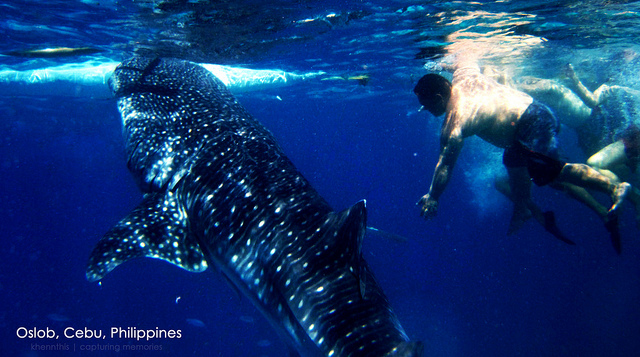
{"x":158,"y":76}
{"x":167,"y":108}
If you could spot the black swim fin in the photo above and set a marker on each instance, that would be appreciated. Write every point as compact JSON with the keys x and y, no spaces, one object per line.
{"x":614,"y":230}
{"x":551,"y":227}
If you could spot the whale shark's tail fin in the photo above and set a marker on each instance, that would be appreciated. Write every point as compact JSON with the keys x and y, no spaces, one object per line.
{"x":155,"y":229}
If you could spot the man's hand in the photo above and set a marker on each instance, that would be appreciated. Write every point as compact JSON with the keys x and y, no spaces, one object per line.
{"x":428,"y":207}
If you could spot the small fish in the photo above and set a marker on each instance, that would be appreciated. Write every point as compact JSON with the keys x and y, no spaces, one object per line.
{"x":54,"y":52}
{"x":196,"y":323}
{"x":58,"y":317}
{"x":247,"y":319}
{"x":387,"y":235}
{"x":362,"y":79}
{"x":264,"y":343}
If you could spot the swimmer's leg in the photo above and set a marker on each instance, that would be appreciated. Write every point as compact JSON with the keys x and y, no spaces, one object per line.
{"x":503,"y":186}
{"x":589,"y":178}
{"x":613,"y":155}
{"x":608,"y":157}
{"x":581,"y":195}
{"x":520,"y":187}
{"x":545,"y":219}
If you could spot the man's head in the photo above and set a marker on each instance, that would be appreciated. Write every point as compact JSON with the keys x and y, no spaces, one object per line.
{"x":433,"y":93}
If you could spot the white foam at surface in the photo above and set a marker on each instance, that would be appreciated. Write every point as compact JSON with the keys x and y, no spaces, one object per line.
{"x":89,"y":79}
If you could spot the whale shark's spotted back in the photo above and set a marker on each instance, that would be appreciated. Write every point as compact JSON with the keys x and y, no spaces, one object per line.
{"x":220,"y":191}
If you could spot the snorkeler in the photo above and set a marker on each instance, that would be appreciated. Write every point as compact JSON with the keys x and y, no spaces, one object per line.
{"x":611,"y":140}
{"x":624,"y":152}
{"x":505,"y":117}
{"x":586,"y":112}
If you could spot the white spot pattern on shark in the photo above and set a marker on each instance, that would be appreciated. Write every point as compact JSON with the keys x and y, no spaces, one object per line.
{"x":220,"y":191}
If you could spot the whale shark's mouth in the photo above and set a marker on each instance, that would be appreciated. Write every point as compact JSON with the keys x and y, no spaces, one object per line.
{"x":146,"y":69}
{"x":139,"y":82}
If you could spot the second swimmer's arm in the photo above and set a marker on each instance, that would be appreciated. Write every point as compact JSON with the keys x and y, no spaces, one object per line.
{"x":598,"y":96}
{"x":589,"y":98}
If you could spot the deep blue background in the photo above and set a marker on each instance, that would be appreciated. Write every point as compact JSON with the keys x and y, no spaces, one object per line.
{"x":459,"y":283}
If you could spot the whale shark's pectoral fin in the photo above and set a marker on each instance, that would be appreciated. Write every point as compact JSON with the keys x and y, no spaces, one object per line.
{"x":157,"y":228}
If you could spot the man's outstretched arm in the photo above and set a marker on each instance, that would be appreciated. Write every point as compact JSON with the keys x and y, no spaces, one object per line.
{"x":447,"y":160}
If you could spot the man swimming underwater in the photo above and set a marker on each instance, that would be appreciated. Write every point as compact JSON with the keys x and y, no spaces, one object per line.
{"x":507,"y":118}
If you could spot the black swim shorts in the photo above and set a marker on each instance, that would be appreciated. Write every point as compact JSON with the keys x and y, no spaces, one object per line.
{"x":535,"y":145}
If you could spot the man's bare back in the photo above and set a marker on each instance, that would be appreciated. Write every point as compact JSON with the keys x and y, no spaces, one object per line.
{"x":481,"y":106}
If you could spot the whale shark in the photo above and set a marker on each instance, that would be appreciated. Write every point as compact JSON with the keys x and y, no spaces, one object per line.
{"x":219,"y":192}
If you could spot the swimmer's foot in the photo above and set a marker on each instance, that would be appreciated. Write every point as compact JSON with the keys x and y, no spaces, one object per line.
{"x":614,"y":230}
{"x":520,"y":216}
{"x":619,"y":194}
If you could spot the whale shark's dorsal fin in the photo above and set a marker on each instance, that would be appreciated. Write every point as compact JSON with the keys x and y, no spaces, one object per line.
{"x":352,"y":224}
{"x":157,"y":228}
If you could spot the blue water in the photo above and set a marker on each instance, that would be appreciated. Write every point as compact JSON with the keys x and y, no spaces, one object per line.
{"x":458,"y":283}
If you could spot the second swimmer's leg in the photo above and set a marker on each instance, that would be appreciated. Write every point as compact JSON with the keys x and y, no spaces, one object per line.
{"x":587,"y":177}
{"x":581,"y":195}
{"x":614,"y":155}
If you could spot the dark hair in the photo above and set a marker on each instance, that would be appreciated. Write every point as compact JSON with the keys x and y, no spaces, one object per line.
{"x":433,"y":91}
